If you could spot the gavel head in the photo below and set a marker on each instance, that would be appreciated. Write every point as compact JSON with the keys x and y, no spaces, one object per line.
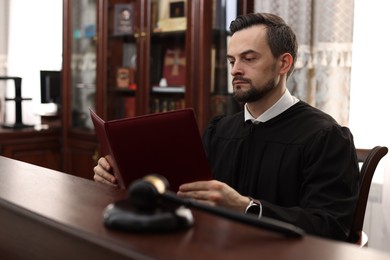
{"x":145,"y":194}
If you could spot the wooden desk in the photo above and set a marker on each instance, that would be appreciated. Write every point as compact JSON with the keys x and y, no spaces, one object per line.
{"x":45,"y":214}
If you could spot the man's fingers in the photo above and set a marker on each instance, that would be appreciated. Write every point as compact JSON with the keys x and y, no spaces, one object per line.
{"x":104,"y":164}
{"x":98,"y":178}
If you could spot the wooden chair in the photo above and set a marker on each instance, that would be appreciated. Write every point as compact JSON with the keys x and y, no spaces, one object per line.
{"x":370,"y":159}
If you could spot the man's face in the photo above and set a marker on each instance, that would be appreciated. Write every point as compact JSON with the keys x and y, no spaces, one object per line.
{"x":254,"y":68}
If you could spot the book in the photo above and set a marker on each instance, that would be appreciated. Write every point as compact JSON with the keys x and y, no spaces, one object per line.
{"x":174,"y":70}
{"x":123,"y":77}
{"x":167,"y":104}
{"x":168,"y":144}
{"x":124,"y":19}
{"x":130,"y":107}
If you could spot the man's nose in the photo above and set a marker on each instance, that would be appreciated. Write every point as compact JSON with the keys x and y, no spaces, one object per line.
{"x":236,"y":69}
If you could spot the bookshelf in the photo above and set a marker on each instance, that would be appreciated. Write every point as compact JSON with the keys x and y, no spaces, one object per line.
{"x":126,"y":58}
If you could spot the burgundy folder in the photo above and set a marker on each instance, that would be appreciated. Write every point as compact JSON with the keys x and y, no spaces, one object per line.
{"x":165,"y":143}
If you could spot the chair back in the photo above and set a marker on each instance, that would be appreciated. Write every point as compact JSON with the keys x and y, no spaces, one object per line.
{"x":370,"y":159}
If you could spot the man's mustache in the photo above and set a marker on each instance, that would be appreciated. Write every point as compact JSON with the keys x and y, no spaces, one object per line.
{"x":241,"y":79}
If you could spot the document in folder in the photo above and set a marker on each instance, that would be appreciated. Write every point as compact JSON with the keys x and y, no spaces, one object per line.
{"x":165,"y":143}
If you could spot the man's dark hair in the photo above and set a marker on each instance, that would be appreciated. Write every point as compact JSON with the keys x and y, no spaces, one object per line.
{"x":280,"y":37}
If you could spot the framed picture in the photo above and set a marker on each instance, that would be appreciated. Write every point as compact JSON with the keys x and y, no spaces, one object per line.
{"x":176,"y":9}
{"x":124,"y":19}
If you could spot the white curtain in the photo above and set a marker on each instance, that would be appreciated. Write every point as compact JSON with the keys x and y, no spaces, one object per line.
{"x":324,"y":30}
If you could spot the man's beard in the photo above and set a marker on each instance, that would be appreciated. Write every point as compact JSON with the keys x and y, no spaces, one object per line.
{"x":253,"y":94}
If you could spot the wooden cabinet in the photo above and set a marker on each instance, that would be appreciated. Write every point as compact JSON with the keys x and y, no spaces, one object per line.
{"x":155,"y":56}
{"x":40,"y":147}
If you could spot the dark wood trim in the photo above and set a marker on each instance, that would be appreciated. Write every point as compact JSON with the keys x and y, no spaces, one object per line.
{"x":192,"y":66}
{"x":204,"y":63}
{"x":198,"y":52}
{"x":101,"y":64}
{"x":245,"y":6}
{"x":66,"y":78}
{"x":143,"y":58}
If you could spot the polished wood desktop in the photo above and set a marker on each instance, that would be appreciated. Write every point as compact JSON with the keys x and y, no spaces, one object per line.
{"x":46,"y":214}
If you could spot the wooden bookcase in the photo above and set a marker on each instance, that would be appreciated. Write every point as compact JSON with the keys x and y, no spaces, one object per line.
{"x":115,"y":66}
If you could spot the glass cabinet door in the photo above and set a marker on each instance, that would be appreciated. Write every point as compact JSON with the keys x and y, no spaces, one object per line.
{"x":168,"y":55}
{"x":146,"y":61}
{"x":83,"y":62}
{"x":123,"y":74}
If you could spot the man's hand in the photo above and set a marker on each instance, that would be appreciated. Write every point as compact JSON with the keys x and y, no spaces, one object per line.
{"x":103,"y":173}
{"x":214,"y":193}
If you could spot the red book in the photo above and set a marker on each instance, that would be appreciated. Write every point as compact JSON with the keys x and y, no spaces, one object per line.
{"x":175,"y":67}
{"x":168,"y":144}
{"x":130,"y":107}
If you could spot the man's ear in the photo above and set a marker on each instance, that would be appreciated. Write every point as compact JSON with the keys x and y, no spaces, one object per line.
{"x":286,"y":61}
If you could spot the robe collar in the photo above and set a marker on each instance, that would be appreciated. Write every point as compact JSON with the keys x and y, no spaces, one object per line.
{"x":284,"y":103}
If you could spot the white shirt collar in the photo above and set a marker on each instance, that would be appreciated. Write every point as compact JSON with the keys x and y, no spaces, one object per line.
{"x":284,"y":103}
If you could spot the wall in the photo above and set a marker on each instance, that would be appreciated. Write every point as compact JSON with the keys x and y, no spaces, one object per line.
{"x":370,"y":106}
{"x":4,"y":7}
{"x":4,"y":10}
{"x":35,"y":43}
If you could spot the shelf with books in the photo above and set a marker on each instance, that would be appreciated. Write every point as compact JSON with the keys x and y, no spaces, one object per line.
{"x":164,"y":104}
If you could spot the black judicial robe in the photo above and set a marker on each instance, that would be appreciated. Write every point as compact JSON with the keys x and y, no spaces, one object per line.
{"x":301,"y":165}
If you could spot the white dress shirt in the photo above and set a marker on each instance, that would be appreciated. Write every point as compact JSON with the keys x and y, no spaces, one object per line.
{"x":284,"y":103}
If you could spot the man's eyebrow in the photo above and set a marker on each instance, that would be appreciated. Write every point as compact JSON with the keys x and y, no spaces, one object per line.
{"x":241,"y":54}
{"x":229,"y":56}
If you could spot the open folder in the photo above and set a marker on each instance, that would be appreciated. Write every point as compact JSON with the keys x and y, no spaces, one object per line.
{"x":165,"y":143}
